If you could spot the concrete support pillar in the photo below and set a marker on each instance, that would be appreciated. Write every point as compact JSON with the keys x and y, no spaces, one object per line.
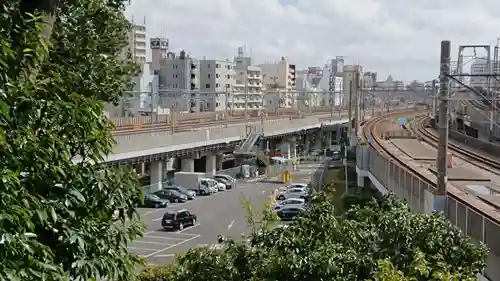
{"x":187,"y":164}
{"x":317,"y":141}
{"x":218,"y":161}
{"x":169,"y":164}
{"x":211,"y":164}
{"x":285,"y":149}
{"x":156,"y":173}
{"x":139,"y":168}
{"x":328,"y":139}
{"x":361,"y":181}
{"x":307,"y":143}
{"x":338,"y":129}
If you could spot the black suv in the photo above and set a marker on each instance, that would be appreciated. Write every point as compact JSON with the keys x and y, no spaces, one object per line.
{"x":178,"y":219}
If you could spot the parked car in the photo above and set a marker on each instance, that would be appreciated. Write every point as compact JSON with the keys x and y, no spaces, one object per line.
{"x":220,"y":186}
{"x":178,"y":219}
{"x":226,"y":183}
{"x":297,"y":202}
{"x":228,"y":178}
{"x":152,"y":200}
{"x":294,"y":192}
{"x":171,"y":195}
{"x":191,"y":194}
{"x":295,"y":185}
{"x":288,"y":213}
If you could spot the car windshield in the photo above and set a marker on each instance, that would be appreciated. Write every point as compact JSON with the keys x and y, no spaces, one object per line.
{"x":182,"y":189}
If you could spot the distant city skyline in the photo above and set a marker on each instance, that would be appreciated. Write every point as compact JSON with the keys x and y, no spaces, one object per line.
{"x":391,"y":37}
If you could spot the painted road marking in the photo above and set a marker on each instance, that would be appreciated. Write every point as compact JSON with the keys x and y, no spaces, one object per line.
{"x":141,"y":249}
{"x":165,"y":256}
{"x":163,"y":237}
{"x":152,"y":243}
{"x":171,"y":246}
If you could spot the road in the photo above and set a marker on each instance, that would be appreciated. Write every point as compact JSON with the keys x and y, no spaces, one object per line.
{"x":221,"y":213}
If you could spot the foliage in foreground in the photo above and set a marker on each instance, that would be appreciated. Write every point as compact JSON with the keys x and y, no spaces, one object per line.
{"x":60,"y":63}
{"x":378,"y":241}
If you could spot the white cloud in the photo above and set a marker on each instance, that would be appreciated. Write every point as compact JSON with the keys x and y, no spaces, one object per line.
{"x":398,"y":37}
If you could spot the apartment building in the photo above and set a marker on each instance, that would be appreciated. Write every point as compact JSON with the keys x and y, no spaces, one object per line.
{"x":137,"y":40}
{"x":280,"y":76}
{"x":179,"y":83}
{"x":247,"y":89}
{"x":246,"y":92}
{"x":216,"y":81}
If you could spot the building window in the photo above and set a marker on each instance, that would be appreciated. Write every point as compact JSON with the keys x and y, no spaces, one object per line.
{"x":217,"y":75}
{"x":217,"y":65}
{"x":217,"y":104}
{"x":217,"y":85}
{"x":207,"y":86}
{"x":228,"y":86}
{"x":208,"y":65}
{"x":228,"y":76}
{"x":209,"y":75}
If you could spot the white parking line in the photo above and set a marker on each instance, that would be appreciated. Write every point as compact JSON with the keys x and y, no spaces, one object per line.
{"x":165,"y":256}
{"x":152,"y":243}
{"x":152,"y":212}
{"x":141,"y":249}
{"x":170,"y":247}
{"x":161,"y":237}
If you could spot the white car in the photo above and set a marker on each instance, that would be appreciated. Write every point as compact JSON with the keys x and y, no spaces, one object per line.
{"x":220,"y":186}
{"x":299,"y":202}
{"x":295,"y":185}
{"x":294,"y":192}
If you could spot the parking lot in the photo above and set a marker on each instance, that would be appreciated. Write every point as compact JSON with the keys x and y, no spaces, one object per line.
{"x":221,"y":213}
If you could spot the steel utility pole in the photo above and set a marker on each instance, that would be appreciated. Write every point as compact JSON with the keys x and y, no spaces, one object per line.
{"x":349,"y":112}
{"x":444,"y":81}
{"x":356,"y":109}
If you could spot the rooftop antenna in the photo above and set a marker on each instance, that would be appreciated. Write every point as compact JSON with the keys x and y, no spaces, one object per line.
{"x":144,"y":20}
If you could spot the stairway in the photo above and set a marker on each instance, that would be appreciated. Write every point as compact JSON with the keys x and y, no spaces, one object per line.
{"x":248,"y":143}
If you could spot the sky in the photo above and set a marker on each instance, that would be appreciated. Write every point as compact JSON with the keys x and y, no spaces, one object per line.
{"x":397,"y":37}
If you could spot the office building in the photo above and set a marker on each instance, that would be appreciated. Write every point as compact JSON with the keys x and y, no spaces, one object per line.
{"x":137,"y":44}
{"x":179,"y":83}
{"x":280,"y":76}
{"x":353,"y":75}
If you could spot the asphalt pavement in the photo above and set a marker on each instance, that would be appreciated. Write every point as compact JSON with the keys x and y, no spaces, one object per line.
{"x":221,"y":213}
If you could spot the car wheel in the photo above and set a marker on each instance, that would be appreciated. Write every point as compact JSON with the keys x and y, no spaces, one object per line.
{"x":193,"y":222}
{"x":156,"y":205}
{"x":203,"y":192}
{"x":176,"y":200}
{"x":281,"y":197}
{"x":181,"y":226}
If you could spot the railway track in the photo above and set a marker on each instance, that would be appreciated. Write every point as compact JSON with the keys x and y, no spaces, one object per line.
{"x":478,"y":216}
{"x":479,"y":159}
{"x":187,"y":125}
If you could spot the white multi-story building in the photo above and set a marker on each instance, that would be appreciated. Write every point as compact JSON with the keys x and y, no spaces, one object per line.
{"x":217,"y":78}
{"x":280,"y":76}
{"x":137,"y":40}
{"x":247,"y":89}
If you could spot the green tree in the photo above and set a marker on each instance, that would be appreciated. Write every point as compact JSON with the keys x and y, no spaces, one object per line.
{"x":60,"y":64}
{"x":378,"y":241}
